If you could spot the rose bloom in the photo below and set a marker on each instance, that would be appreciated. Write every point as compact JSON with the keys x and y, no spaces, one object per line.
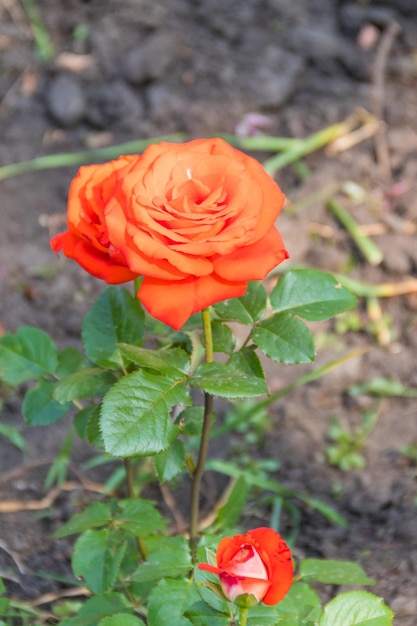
{"x":195,"y":220}
{"x":257,"y":563}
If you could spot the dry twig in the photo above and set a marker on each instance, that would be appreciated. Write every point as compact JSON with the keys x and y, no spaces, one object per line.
{"x":378,"y":96}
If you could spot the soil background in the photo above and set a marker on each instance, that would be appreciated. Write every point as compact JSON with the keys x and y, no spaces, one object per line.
{"x":130,"y":69}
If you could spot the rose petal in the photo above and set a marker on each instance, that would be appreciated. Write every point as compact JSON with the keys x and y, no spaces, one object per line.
{"x":277,"y":558}
{"x":252,"y":262}
{"x":234,"y":586}
{"x":174,"y":302}
{"x":97,"y":263}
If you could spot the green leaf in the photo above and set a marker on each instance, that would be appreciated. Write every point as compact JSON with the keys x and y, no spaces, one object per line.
{"x":169,"y":463}
{"x":164,"y":361}
{"x":311,"y":294}
{"x":334,"y":572}
{"x":81,"y":420}
{"x":222,"y":380}
{"x":224,"y":339}
{"x":284,"y":339}
{"x":69,"y":361}
{"x":140,"y":517}
{"x":301,"y":605}
{"x":356,"y":608}
{"x":121,"y":619}
{"x":246,"y":360}
{"x":262,"y":615}
{"x":93,"y":430}
{"x":200,"y":614}
{"x":27,"y":355}
{"x":39,"y":406}
{"x":95,"y":515}
{"x":191,"y":420}
{"x":85,"y":383}
{"x":168,"y":557}
{"x":115,"y":317}
{"x":248,"y":309}
{"x":384,"y":388}
{"x":208,"y":586}
{"x":230,"y":513}
{"x":98,"y":607}
{"x":13,"y":435}
{"x":135,"y":414}
{"x":168,"y":602}
{"x":97,"y":557}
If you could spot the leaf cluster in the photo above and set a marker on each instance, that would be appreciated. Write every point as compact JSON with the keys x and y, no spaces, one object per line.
{"x":124,"y":394}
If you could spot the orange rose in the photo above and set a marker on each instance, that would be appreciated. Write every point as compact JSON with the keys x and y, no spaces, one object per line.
{"x":196,"y":220}
{"x":257,"y":563}
{"x":91,"y":193}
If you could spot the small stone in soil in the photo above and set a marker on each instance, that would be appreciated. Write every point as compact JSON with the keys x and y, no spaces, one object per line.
{"x":65,"y":100}
{"x":152,"y":59}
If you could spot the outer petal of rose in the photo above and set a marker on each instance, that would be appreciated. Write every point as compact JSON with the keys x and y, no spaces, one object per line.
{"x":273,"y":198}
{"x":92,"y":260}
{"x":277,"y":558}
{"x":234,"y":586}
{"x":227,"y":549}
{"x":252,"y":262}
{"x":174,"y":302}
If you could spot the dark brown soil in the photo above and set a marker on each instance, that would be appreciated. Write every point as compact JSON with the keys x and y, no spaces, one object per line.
{"x":150,"y":67}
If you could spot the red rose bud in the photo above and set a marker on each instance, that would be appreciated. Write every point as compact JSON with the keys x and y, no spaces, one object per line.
{"x":257,"y":563}
{"x":195,"y":220}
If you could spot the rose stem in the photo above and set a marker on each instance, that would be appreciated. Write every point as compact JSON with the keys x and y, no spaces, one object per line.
{"x":243,"y":616}
{"x":131,"y":494}
{"x":204,"y":441}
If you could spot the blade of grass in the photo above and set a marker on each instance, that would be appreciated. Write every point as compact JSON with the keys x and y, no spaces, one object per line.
{"x":280,"y":393}
{"x":383,"y":290}
{"x":381,"y":327}
{"x":303,"y":147}
{"x":68,"y":159}
{"x":231,"y":469}
{"x":44,"y":47}
{"x":369,"y":249}
{"x":261,"y":143}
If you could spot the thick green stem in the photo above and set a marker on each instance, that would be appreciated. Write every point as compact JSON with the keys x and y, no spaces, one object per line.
{"x":204,"y":442}
{"x":243,"y":616}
